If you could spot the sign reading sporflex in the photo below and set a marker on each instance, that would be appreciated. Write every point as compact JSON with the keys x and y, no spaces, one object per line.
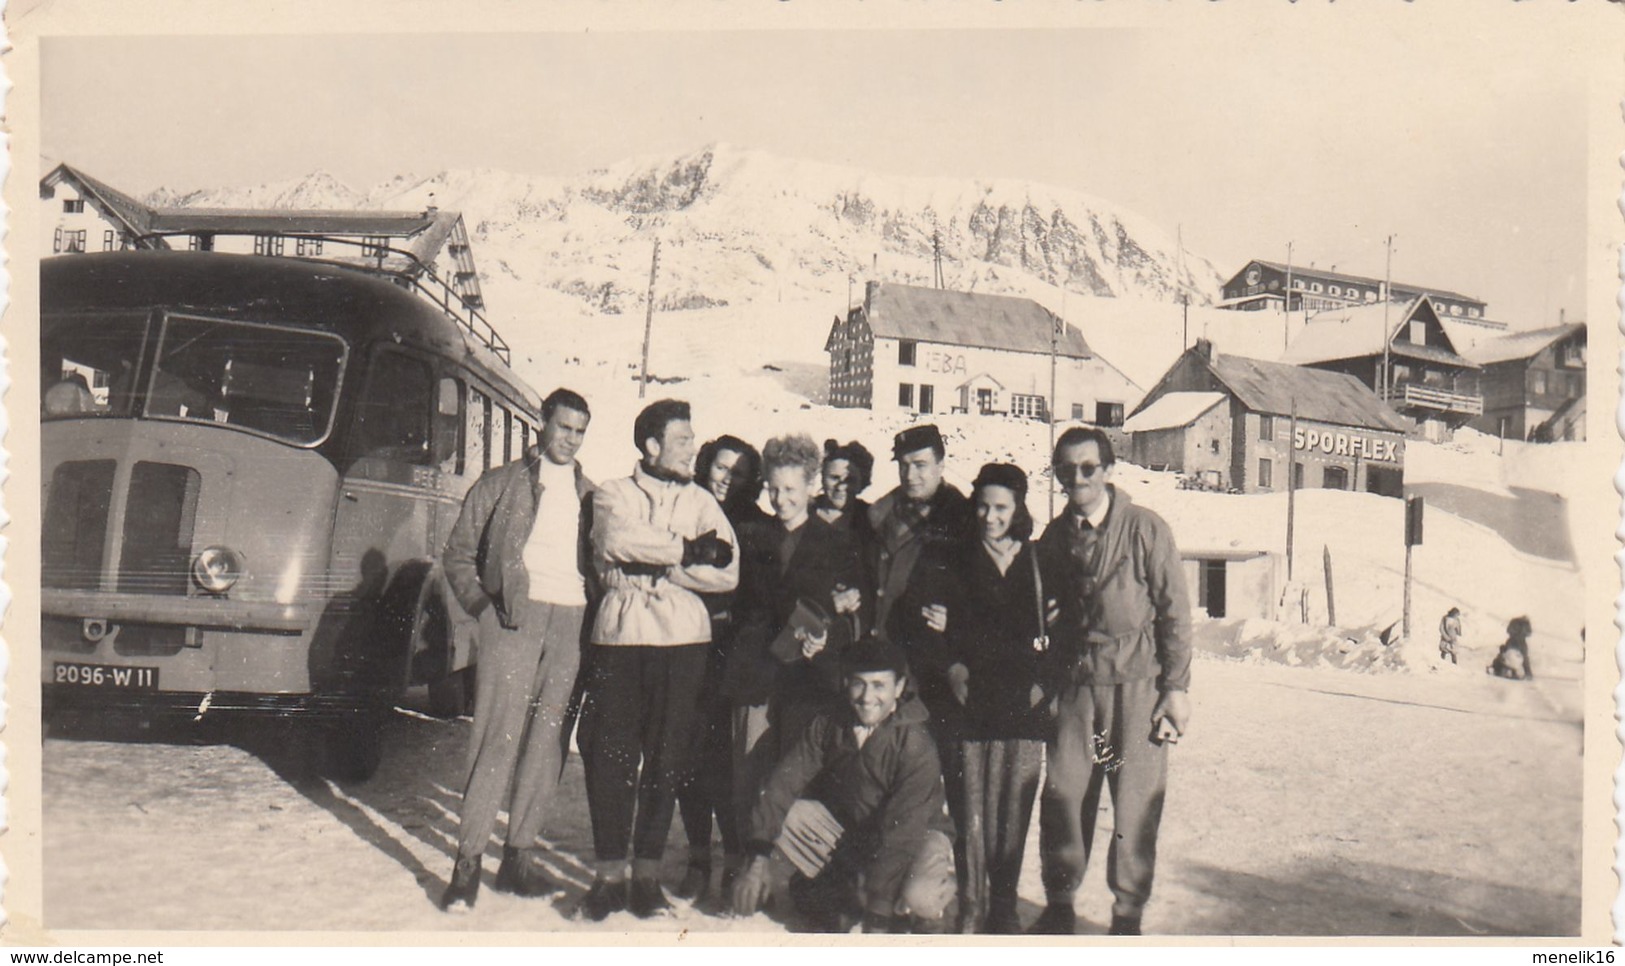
{"x":1347,"y":444}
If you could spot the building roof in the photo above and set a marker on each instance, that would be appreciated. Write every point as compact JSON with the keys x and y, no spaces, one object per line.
{"x":396,"y":224}
{"x":1275,"y":388}
{"x":1393,"y":286}
{"x":122,"y":206}
{"x":1520,"y":345}
{"x":1172,"y":411}
{"x":1359,"y":331}
{"x":967,"y":318}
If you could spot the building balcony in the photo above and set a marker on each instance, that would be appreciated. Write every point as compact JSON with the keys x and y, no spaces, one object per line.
{"x":1413,"y":396}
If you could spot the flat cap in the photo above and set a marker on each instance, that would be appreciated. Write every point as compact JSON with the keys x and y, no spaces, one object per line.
{"x":918,"y":438}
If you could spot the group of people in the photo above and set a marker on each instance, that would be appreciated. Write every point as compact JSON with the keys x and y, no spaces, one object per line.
{"x":859,"y":698}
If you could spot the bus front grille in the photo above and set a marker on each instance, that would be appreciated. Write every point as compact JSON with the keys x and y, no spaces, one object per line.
{"x":74,"y":532}
{"x":158,"y":524}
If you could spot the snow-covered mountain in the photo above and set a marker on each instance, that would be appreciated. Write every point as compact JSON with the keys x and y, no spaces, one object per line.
{"x":739,"y":226}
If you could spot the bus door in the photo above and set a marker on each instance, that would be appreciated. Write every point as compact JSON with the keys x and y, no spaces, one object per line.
{"x":384,"y":526}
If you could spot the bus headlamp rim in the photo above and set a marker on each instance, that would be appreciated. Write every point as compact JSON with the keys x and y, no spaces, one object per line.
{"x":216,"y":569}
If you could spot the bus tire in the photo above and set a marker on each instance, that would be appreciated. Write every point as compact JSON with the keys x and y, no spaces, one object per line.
{"x":353,"y":747}
{"x":452,"y":696}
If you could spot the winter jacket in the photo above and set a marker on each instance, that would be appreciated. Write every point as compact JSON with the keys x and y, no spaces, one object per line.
{"x":745,"y":518}
{"x":1125,"y":614}
{"x":770,"y":583}
{"x":910,"y":565}
{"x":886,"y":794}
{"x":484,"y":556}
{"x":649,"y":597}
{"x":992,"y":621}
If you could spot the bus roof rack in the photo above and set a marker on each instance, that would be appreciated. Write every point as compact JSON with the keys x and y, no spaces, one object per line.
{"x":416,"y":275}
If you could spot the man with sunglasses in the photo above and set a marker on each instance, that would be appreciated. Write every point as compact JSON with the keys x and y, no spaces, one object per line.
{"x":1120,"y":643}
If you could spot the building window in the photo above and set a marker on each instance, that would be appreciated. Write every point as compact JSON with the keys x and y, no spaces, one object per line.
{"x":1108,"y":414}
{"x":1537,"y":382}
{"x":375,"y":246}
{"x":1266,"y":427}
{"x":1334,"y":290}
{"x":71,"y":241}
{"x":268,"y":244}
{"x":905,"y":352}
{"x":1419,"y":332}
{"x":1297,"y":476}
{"x":1314,"y":287}
{"x":1370,"y":296}
{"x":905,"y":395}
{"x":1214,"y":445}
{"x":109,"y":240}
{"x":1475,"y":313}
{"x":56,"y":243}
{"x":1027,"y":406}
{"x":1335,"y":478}
{"x":1455,"y":310}
{"x":928,"y":399}
{"x":984,"y":401}
{"x":1266,"y":472}
{"x":73,"y":206}
{"x":1077,"y":411}
{"x":307,"y":246}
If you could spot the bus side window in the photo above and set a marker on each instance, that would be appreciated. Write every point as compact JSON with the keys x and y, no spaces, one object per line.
{"x":448,"y":424}
{"x":393,"y":419}
{"x":475,"y":435}
{"x":507,"y":435}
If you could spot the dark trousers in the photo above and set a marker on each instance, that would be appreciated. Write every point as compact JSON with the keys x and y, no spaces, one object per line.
{"x":1103,"y":735}
{"x":709,"y":790}
{"x":1001,"y":785}
{"x":641,"y":709}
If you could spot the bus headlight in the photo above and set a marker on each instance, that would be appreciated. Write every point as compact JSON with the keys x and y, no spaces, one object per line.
{"x":216,"y":569}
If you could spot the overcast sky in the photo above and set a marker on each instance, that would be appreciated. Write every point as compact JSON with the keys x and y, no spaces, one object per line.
{"x":1472,"y":154}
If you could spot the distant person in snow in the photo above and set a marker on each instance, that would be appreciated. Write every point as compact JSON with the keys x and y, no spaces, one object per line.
{"x":1449,"y":634}
{"x":1512,"y":660}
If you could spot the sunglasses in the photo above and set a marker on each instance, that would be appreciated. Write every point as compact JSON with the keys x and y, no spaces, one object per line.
{"x":1070,"y":473}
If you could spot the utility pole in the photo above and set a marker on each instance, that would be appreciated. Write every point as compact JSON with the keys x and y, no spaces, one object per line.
{"x":1291,"y":484}
{"x":1054,"y":344}
{"x":649,"y":319}
{"x":1286,"y":302}
{"x":1387,"y":290}
{"x":936,"y":256}
{"x":1184,"y":295}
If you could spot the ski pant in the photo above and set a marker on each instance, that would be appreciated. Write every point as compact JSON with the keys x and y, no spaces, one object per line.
{"x":522,"y":690}
{"x":642,"y":707}
{"x":1103,"y":735}
{"x":710,"y":788}
{"x":755,"y":753}
{"x":1001,"y":785}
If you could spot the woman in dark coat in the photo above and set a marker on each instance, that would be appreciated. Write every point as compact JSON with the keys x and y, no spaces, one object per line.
{"x":730,"y":469}
{"x":847,"y":471}
{"x":796,"y":557}
{"x":994,"y":633}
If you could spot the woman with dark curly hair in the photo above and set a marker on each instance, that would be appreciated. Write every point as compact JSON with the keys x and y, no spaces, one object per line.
{"x":996,"y":635}
{"x":847,"y":470}
{"x":730,"y":470}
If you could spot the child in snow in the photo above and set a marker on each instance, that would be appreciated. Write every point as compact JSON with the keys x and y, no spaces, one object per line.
{"x":1512,"y":660}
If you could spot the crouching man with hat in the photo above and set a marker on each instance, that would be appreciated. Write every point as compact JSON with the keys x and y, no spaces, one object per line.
{"x":854,"y":816}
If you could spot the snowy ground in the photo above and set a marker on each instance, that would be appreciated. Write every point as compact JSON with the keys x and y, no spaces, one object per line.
{"x":1304,"y":802}
{"x":1331,"y":785}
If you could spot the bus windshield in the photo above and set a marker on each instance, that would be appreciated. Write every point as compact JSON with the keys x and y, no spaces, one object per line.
{"x":273,"y":380}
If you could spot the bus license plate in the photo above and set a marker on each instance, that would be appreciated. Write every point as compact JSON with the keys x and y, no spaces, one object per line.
{"x":102,"y":676}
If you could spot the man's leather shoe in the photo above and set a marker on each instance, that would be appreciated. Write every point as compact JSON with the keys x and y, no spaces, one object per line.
{"x":1056,"y":920}
{"x":605,"y":896}
{"x":1124,"y":926}
{"x":519,"y":875}
{"x":464,"y":887}
{"x":647,"y":900}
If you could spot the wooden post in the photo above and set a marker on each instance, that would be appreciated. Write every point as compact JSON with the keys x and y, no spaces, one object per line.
{"x":649,"y":320}
{"x":1407,"y":621}
{"x":1331,"y":602}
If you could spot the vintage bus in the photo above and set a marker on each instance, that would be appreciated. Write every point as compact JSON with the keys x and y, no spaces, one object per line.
{"x":250,"y":467}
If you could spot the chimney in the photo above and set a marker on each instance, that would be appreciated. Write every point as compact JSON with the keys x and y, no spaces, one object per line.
{"x":429,"y":212}
{"x":870,"y":289}
{"x":1204,"y":348}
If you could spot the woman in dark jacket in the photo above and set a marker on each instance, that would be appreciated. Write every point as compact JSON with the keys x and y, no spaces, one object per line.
{"x":994,"y":633}
{"x":847,"y":471}
{"x":730,"y":469}
{"x":775,"y":680}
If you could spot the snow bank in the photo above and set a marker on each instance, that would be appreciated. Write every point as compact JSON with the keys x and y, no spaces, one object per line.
{"x":1297,"y":645}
